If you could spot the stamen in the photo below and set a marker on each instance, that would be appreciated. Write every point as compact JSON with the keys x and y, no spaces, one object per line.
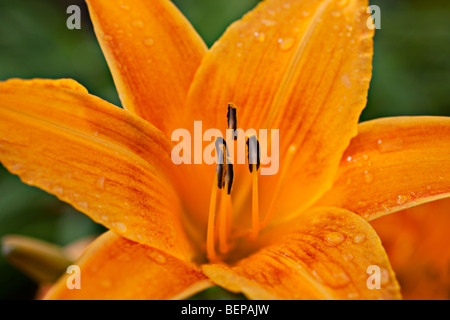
{"x":223,"y":228}
{"x":285,"y":168}
{"x":253,"y":152}
{"x":255,"y":204}
{"x":222,"y":154}
{"x":210,"y":248}
{"x":253,"y":155}
{"x":229,"y":176}
{"x":223,"y":179}
{"x":232,"y":120}
{"x":224,"y":213}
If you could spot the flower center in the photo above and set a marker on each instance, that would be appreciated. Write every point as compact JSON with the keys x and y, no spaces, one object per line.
{"x":218,"y":232}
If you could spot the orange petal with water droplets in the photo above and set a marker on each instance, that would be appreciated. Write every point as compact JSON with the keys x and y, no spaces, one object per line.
{"x":153,"y":53}
{"x":325,"y":256}
{"x":116,"y":268}
{"x":103,"y":160}
{"x":393,"y":164}
{"x":416,"y":241}
{"x":302,"y":67}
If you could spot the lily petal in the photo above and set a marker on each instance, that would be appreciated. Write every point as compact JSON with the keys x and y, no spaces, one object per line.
{"x":326,"y":256}
{"x":153,"y":53}
{"x":302,"y":67}
{"x":393,"y":164}
{"x":415,"y":240}
{"x":103,"y":160}
{"x":116,"y":268}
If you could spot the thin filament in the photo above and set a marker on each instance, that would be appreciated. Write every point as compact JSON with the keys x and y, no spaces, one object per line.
{"x":210,"y":248}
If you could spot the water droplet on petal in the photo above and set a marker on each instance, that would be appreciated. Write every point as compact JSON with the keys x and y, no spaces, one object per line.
{"x":385,"y":279}
{"x":101,"y":182}
{"x":394,"y":144}
{"x":83,"y":205}
{"x":268,"y":23}
{"x":334,"y":238}
{"x":345,"y":78}
{"x":260,"y":36}
{"x":107,"y":37}
{"x":58,"y":190}
{"x":331,"y":274}
{"x":336,"y":14}
{"x":402,"y":199}
{"x":138,"y":24}
{"x":368,"y":177}
{"x":119,"y":226}
{"x":149,"y":42}
{"x":286,"y":44}
{"x":157,"y":257}
{"x":348,"y":257}
{"x":359,"y":238}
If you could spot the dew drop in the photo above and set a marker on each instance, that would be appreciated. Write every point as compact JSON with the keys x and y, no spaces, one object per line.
{"x":286,"y":44}
{"x":368,"y":177}
{"x":157,"y":257}
{"x":239,"y":44}
{"x":17,"y":168}
{"x":268,"y":23}
{"x":83,"y":205}
{"x":348,"y":257}
{"x":260,"y":36}
{"x":101,"y":182}
{"x":138,"y":24}
{"x":349,"y":158}
{"x":58,"y":190}
{"x":305,"y":13}
{"x":120,"y":226}
{"x":336,"y":14}
{"x":391,"y":146}
{"x":384,"y":277}
{"x":331,"y":274}
{"x":334,"y":238}
{"x":345,"y":78}
{"x":402,"y":199}
{"x":149,"y":42}
{"x":359,"y":238}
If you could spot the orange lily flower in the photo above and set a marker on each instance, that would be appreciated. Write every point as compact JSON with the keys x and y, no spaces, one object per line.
{"x":299,"y":66}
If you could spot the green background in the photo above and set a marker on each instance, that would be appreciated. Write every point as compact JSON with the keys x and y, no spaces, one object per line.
{"x":411,"y":77}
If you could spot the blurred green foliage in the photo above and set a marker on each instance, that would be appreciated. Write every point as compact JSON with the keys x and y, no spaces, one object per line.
{"x":411,"y":77}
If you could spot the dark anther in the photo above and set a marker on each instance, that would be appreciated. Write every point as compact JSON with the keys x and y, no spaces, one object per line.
{"x":232,"y":120}
{"x":221,"y":152}
{"x":229,"y":177}
{"x":253,"y":153}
